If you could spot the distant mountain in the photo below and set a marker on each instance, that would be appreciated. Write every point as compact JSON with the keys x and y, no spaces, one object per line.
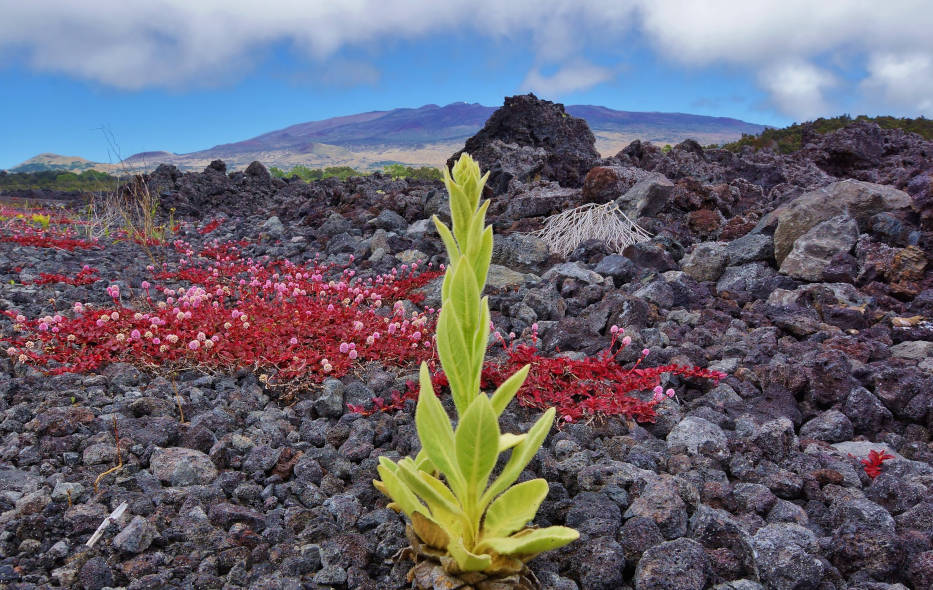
{"x":55,"y":162}
{"x":427,"y":136}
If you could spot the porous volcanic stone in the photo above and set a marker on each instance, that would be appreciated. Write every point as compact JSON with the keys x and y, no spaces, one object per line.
{"x":182,"y":467}
{"x":860,"y":200}
{"x":136,"y":536}
{"x":813,"y":251}
{"x":681,"y":563}
{"x":569,"y":147}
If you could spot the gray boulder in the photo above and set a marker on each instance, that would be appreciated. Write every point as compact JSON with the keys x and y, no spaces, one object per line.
{"x":273,"y":226}
{"x":136,"y":536}
{"x":831,"y":426}
{"x":660,"y":502}
{"x":390,"y":221}
{"x":573,"y":270}
{"x":750,"y":248}
{"x":813,"y":251}
{"x":538,"y":200}
{"x":785,"y":555}
{"x":500,"y":278}
{"x":646,"y":198}
{"x":707,"y":261}
{"x":682,"y":564}
{"x":607,"y":183}
{"x":860,"y":200}
{"x":699,"y":436}
{"x":521,"y":252}
{"x":181,"y":466}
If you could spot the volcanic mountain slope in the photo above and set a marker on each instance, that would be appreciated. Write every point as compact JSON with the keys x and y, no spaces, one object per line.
{"x":428,"y":135}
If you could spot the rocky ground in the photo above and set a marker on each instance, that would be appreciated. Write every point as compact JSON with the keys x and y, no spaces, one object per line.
{"x":804,"y":277}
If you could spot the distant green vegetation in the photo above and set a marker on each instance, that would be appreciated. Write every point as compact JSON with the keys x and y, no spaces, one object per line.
{"x":344,"y":172}
{"x":310,"y":174}
{"x":789,"y":139}
{"x":89,"y":180}
{"x":422,"y":173}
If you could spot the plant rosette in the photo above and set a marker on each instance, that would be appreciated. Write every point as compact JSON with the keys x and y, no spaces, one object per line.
{"x":470,"y":527}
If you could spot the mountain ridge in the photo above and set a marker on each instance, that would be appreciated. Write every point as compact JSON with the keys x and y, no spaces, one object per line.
{"x":422,"y":136}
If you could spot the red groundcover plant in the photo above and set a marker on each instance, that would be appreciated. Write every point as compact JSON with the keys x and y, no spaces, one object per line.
{"x":299,"y":324}
{"x":37,"y":237}
{"x":283,"y":320}
{"x":578,"y":389}
{"x":87,"y":276}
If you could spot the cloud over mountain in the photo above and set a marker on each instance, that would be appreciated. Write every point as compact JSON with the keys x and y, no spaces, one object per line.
{"x":803,"y":54}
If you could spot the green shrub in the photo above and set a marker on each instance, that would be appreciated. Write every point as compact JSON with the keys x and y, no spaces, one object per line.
{"x":87,"y":181}
{"x":790,"y":139}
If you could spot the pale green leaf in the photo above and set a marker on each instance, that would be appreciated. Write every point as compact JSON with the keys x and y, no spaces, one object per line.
{"x":475,"y":233}
{"x":400,"y":493}
{"x":505,"y":392}
{"x":460,"y":214}
{"x":453,"y":251}
{"x":531,"y":543}
{"x":431,"y":532}
{"x":514,"y":508}
{"x":480,"y":343}
{"x":482,"y":258}
{"x":467,"y":561}
{"x":436,"y":432}
{"x":477,"y":442}
{"x":522,"y":454}
{"x":508,"y":440}
{"x":465,"y":297}
{"x":443,"y":507}
{"x":453,"y":353}
{"x":423,"y":463}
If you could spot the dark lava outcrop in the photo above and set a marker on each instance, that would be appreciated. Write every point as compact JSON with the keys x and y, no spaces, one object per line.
{"x":532,"y":138}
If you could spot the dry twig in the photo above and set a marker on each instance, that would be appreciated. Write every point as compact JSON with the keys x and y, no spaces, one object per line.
{"x":119,"y":465}
{"x":565,"y":231}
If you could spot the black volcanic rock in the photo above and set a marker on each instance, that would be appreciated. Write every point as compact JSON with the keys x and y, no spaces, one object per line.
{"x":525,"y":121}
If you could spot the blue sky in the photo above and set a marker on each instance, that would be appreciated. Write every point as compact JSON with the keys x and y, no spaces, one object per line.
{"x":182,"y":76}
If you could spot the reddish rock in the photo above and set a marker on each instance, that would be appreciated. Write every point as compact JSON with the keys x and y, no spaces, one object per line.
{"x":705,"y":222}
{"x":738,"y":226}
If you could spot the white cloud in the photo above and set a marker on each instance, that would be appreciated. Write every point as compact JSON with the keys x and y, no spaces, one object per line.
{"x":902,"y":80}
{"x":783,"y":40}
{"x":177,"y":43}
{"x":575,"y":76}
{"x":798,"y":88}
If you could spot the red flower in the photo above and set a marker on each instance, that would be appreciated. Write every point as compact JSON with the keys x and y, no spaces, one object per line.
{"x":873,"y":462}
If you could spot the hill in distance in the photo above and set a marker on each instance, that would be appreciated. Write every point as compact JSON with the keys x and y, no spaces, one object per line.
{"x":424,"y":136}
{"x":48,"y":161}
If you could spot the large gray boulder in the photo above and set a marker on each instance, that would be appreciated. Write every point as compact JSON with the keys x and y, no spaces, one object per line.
{"x":813,"y":250}
{"x":860,"y":200}
{"x":181,"y":466}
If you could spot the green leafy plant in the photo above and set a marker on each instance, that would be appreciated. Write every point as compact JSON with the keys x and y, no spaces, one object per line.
{"x":790,"y":139}
{"x":42,"y":220}
{"x":464,"y":522}
{"x":396,"y":171}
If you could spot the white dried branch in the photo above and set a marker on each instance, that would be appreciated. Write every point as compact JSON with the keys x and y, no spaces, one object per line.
{"x":565,"y":231}
{"x":114,"y":516}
